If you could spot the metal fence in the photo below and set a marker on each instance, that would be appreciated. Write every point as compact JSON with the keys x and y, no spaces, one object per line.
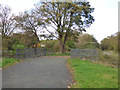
{"x":91,"y":54}
{"x":32,"y":52}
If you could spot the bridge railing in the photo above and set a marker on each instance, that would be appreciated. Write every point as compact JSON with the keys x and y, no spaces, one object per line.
{"x":32,"y":52}
{"x":91,"y":54}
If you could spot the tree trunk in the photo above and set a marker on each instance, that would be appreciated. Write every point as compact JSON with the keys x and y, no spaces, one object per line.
{"x":37,"y":37}
{"x":62,"y":46}
{"x":36,"y":42}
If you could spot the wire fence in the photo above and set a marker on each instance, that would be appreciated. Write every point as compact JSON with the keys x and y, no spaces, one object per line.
{"x":32,"y":52}
{"x":91,"y":54}
{"x":26,"y":53}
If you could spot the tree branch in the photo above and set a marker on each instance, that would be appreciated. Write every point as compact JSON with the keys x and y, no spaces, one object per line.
{"x":51,"y":33}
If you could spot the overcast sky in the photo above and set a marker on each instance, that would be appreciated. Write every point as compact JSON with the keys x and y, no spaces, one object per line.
{"x":105,"y":14}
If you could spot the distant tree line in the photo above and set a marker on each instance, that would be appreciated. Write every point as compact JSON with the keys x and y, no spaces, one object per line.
{"x":110,"y":42}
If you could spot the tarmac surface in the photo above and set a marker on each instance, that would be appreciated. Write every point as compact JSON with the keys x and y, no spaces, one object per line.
{"x":40,"y":72}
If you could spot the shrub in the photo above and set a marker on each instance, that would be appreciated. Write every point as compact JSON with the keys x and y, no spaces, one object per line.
{"x":111,"y":59}
{"x":107,"y":56}
{"x":56,"y":46}
{"x":11,"y":53}
{"x":19,"y":46}
{"x":51,"y":45}
{"x":70,"y":45}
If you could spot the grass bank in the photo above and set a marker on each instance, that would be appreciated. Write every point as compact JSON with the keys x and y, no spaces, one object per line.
{"x":108,"y":57}
{"x":91,"y":75}
{"x":8,"y":62}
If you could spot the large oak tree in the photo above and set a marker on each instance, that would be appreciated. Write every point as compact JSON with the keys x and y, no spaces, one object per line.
{"x":67,"y":18}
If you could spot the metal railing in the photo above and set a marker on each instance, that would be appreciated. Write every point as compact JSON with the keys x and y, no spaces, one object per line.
{"x":32,"y":52}
{"x":91,"y":54}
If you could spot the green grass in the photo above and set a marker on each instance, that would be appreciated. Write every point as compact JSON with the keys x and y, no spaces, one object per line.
{"x":58,"y":54}
{"x":8,"y":62}
{"x":91,"y":75}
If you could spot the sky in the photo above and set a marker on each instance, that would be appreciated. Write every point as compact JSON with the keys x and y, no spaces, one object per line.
{"x":105,"y":15}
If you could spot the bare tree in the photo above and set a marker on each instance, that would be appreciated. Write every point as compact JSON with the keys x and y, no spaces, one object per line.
{"x":29,"y":21}
{"x":7,"y":22}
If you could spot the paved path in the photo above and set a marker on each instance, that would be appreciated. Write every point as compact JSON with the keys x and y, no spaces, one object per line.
{"x":42,"y":72}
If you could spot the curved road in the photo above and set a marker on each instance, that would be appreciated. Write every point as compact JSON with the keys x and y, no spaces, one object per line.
{"x":42,"y":72}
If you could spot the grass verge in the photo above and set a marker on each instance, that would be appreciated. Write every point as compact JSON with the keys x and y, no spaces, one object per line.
{"x":91,"y":75}
{"x":8,"y":62}
{"x":111,"y":59}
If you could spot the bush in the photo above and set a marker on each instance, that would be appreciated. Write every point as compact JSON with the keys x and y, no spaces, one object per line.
{"x":11,"y":53}
{"x":70,"y":45}
{"x":111,"y":59}
{"x":19,"y":46}
{"x":51,"y":45}
{"x":106,"y":56}
{"x":56,"y":46}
